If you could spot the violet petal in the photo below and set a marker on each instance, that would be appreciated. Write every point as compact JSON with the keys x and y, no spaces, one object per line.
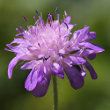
{"x":12,"y":64}
{"x":91,"y":56}
{"x":91,"y":70}
{"x":58,"y":70}
{"x":42,"y":87}
{"x":74,"y":77}
{"x":83,"y":35}
{"x":31,"y":64}
{"x":67,"y":19}
{"x":18,"y":41}
{"x":19,"y":35}
{"x":77,"y":60}
{"x":87,"y":52}
{"x":94,"y":47}
{"x":91,"y":36}
{"x":31,"y":80}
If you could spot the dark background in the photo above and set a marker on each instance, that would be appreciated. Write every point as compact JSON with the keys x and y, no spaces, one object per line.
{"x":95,"y":94}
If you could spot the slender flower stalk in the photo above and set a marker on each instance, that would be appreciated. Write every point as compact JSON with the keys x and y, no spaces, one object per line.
{"x":51,"y":49}
{"x":55,"y":94}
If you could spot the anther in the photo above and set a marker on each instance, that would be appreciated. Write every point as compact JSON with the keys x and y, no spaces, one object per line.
{"x":25,"y":19}
{"x":17,"y":30}
{"x":49,"y":17}
{"x":37,"y":13}
{"x":39,"y":44}
{"x":43,"y":58}
{"x":56,"y":10}
{"x":22,"y":29}
{"x":34,"y":18}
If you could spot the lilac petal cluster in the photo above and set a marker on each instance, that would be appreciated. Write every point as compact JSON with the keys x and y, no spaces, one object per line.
{"x":51,"y":49}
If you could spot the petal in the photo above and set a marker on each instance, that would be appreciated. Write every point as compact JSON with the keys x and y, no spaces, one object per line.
{"x":91,"y":36}
{"x":27,"y":65}
{"x":67,"y":19}
{"x":58,"y":70}
{"x":74,"y":76}
{"x":61,"y":51}
{"x":11,"y":65}
{"x":91,"y":70}
{"x":19,"y":35}
{"x":31,"y":80}
{"x":68,"y":62}
{"x":91,"y":56}
{"x":83,"y":35}
{"x":42,"y":85}
{"x":18,"y":41}
{"x":70,"y":26}
{"x":35,"y":76}
{"x":30,"y":65}
{"x":55,"y":23}
{"x":33,"y":50}
{"x":77,"y":60}
{"x":96,"y":48}
{"x":9,"y":46}
{"x":87,"y":52}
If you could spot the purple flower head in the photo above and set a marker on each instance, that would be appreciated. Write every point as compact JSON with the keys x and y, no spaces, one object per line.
{"x":47,"y":50}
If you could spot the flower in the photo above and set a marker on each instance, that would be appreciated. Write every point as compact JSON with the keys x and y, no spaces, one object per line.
{"x":51,"y":49}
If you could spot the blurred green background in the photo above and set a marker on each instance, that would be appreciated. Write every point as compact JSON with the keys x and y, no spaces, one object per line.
{"x":95,"y":94}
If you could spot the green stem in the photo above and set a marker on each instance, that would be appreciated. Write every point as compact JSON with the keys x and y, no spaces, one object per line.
{"x":55,"y":93}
